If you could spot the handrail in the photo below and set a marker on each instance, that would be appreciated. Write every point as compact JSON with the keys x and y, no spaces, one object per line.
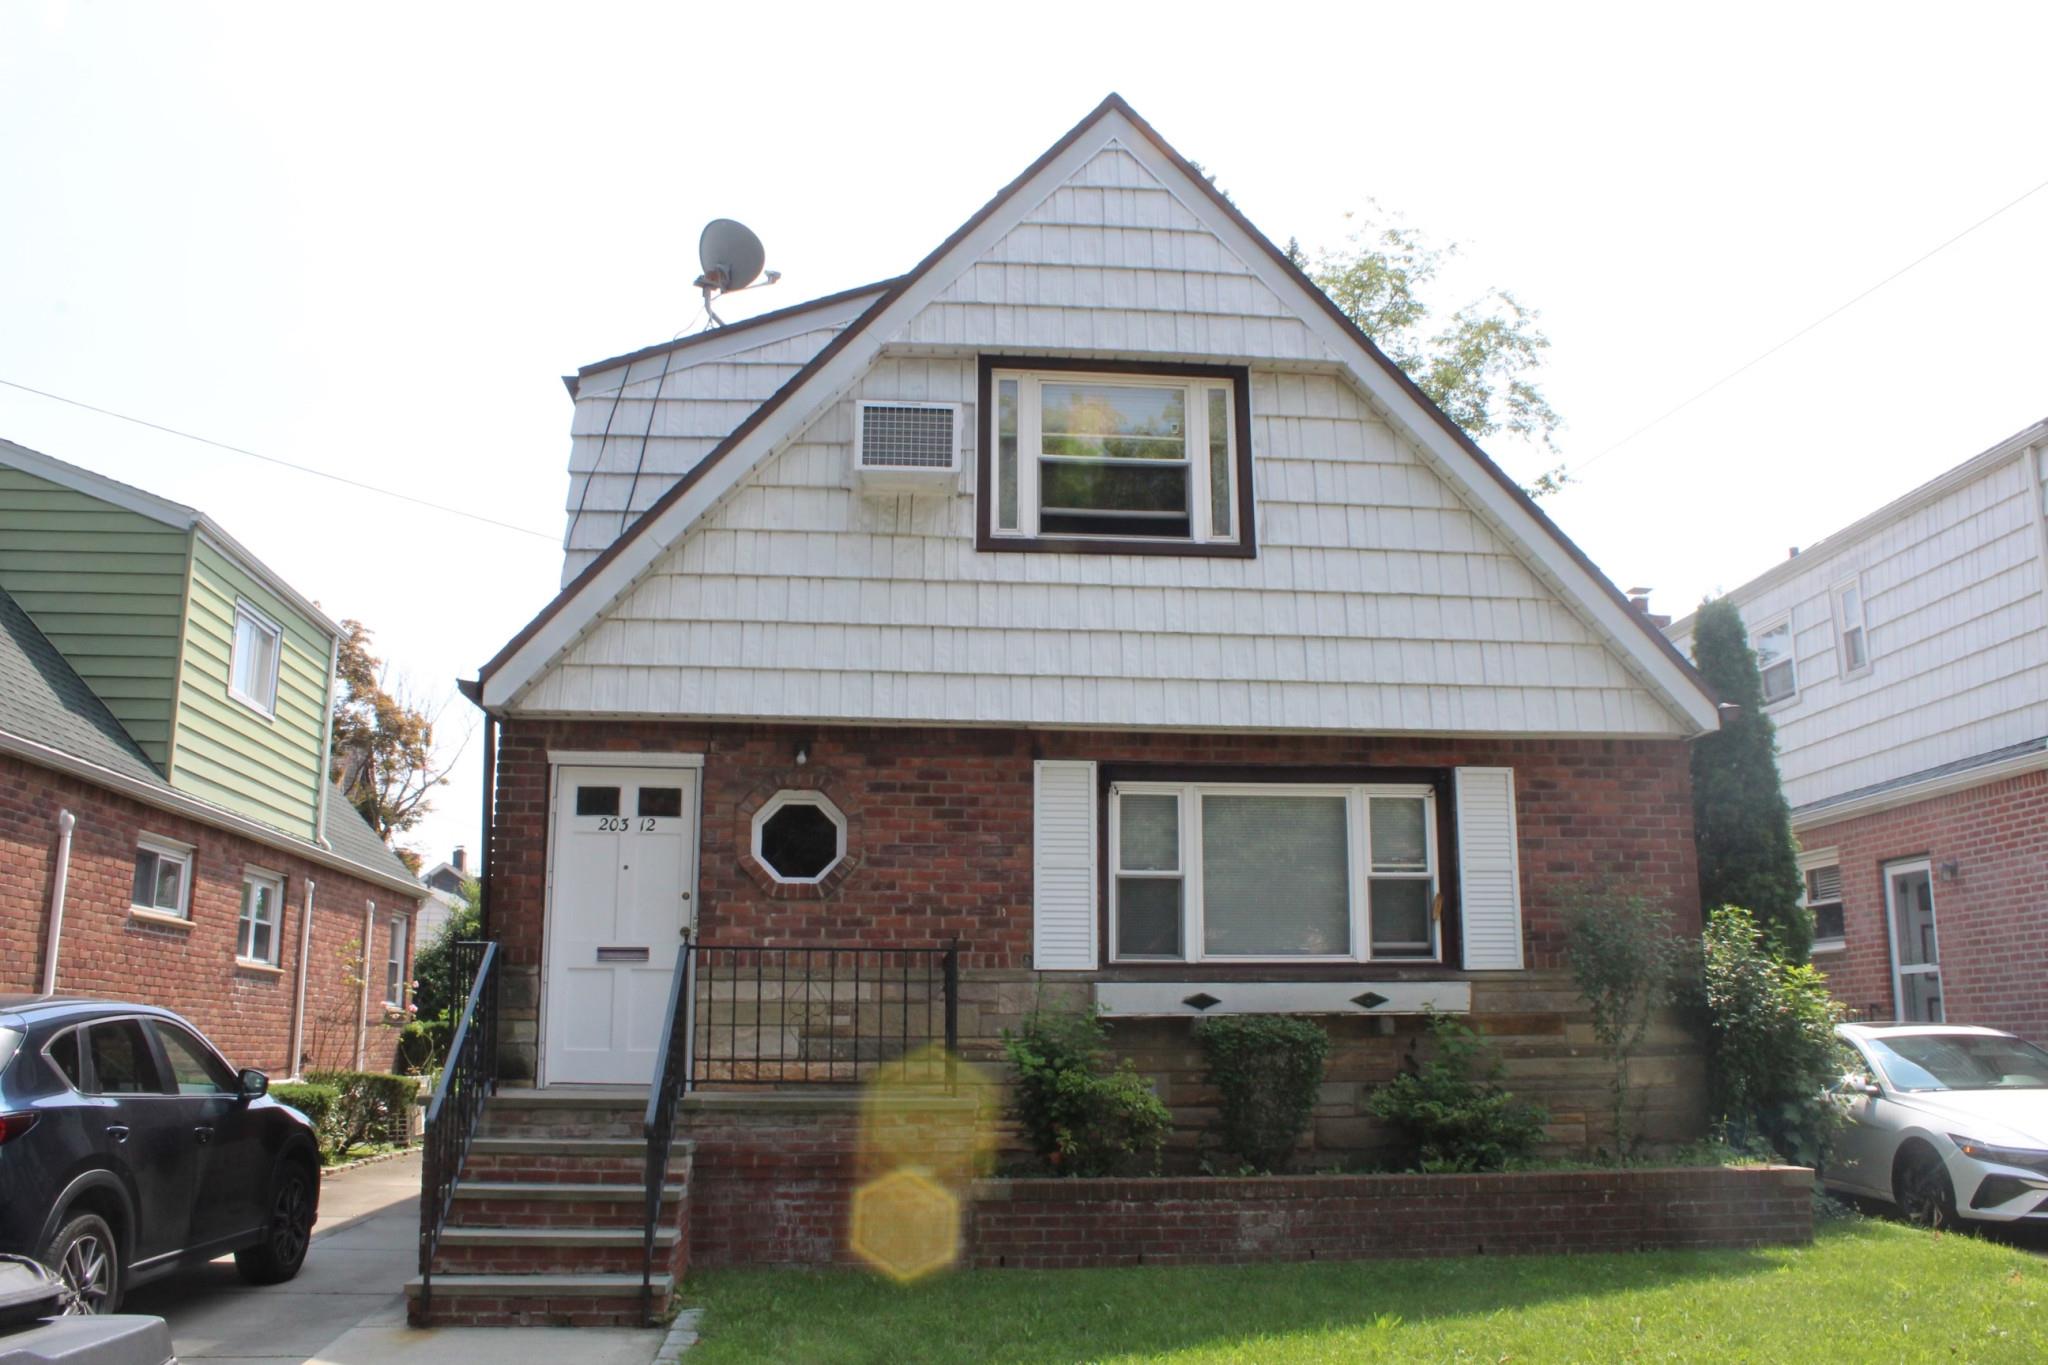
{"x":467,"y":1080}
{"x":662,"y":1101}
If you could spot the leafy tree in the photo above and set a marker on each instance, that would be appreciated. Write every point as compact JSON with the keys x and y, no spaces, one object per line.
{"x":1741,"y":822}
{"x":384,"y":754}
{"x":1626,"y":963}
{"x":1478,"y":364}
{"x":1771,"y":1047}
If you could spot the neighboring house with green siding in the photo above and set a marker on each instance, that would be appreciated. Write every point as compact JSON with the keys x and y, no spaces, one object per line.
{"x":164,"y":753}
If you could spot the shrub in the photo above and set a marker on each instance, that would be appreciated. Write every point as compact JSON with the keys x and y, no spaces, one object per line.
{"x":1451,"y":1112}
{"x":422,"y":1043}
{"x":370,"y":1106}
{"x":316,"y":1102}
{"x":1268,"y":1069}
{"x":1080,"y":1118}
{"x":1771,"y":1046}
{"x":1625,"y":963}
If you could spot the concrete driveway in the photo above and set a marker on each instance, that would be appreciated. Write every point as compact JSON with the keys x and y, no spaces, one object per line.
{"x":347,"y":1307}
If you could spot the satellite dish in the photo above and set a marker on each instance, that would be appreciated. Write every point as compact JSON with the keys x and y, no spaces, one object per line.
{"x":732,"y":256}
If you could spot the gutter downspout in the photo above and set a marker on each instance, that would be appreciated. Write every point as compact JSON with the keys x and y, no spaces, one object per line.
{"x":295,"y":1062}
{"x":363,"y":1006}
{"x":483,"y":895}
{"x":323,"y":782}
{"x":66,"y":822}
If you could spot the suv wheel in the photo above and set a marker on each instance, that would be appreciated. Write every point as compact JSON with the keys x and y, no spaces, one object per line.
{"x":286,"y":1233}
{"x":88,"y":1260}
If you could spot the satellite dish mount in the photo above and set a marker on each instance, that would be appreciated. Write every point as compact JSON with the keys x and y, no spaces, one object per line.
{"x":732,"y":257}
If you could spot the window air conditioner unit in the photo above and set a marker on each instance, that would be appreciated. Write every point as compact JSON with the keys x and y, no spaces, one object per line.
{"x":907,"y":447}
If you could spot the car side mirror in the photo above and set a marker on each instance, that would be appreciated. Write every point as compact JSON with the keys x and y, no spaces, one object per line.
{"x":1872,"y":1089}
{"x":254,"y":1083}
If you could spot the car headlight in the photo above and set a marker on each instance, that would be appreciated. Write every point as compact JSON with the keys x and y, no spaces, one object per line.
{"x":2026,"y":1158}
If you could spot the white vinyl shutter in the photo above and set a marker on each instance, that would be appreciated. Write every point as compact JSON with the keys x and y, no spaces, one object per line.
{"x":1063,"y":866}
{"x":1489,"y":870}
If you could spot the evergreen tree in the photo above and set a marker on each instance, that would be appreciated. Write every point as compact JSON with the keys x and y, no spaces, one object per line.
{"x":1740,"y":820}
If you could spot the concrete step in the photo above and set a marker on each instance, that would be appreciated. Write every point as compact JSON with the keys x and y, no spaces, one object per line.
{"x":553,"y":1250}
{"x":594,"y":1160}
{"x":495,"y":1300}
{"x":558,"y":1112}
{"x":560,"y":1204}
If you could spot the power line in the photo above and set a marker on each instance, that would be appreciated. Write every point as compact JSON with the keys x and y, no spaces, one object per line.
{"x":285,"y":464}
{"x":1840,"y":308}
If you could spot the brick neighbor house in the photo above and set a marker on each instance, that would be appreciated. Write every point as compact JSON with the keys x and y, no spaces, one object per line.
{"x":167,"y":829}
{"x":1097,"y":600}
{"x":1905,"y":662}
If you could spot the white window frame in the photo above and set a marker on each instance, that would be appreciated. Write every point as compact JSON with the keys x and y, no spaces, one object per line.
{"x":1030,"y":448}
{"x":165,"y":850}
{"x":1358,"y":829}
{"x":267,"y":708}
{"x":1900,"y":971}
{"x":1791,"y":659}
{"x":795,"y":797}
{"x":394,"y":964}
{"x":245,"y":923}
{"x":1838,"y":600}
{"x":1813,"y":862}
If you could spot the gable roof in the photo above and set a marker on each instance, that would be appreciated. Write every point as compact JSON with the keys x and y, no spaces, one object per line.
{"x":173,"y":514}
{"x":1495,"y":496}
{"x":48,"y":714}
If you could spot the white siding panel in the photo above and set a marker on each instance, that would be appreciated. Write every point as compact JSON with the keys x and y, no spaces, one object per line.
{"x":1063,"y":866}
{"x":1489,"y":871}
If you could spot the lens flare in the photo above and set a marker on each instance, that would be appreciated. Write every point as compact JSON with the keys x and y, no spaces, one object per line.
{"x":922,"y":1139}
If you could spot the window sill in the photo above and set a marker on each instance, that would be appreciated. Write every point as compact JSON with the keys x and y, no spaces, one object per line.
{"x":149,"y":916}
{"x":268,"y":713}
{"x":1089,"y":545}
{"x":1830,"y":945}
{"x":250,"y":964}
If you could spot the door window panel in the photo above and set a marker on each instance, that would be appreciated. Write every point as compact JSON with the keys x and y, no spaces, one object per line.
{"x":63,"y":1054}
{"x":660,"y":803}
{"x":597,"y":800}
{"x":122,"y":1063}
{"x":194,"y":1068}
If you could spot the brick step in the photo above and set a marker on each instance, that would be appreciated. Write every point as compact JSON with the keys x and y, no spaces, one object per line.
{"x":562,"y":1113}
{"x":563,"y":1204}
{"x":603,"y":1300}
{"x":552,"y":1250}
{"x":559,"y":1159}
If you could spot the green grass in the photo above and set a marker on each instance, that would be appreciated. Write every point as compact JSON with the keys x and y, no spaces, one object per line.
{"x":1864,"y":1291}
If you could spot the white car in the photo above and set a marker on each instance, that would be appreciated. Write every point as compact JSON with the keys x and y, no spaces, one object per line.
{"x":1945,"y":1121}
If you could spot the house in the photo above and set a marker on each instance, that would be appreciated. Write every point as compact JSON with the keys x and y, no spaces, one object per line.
{"x":167,"y":828}
{"x":1091,"y":615}
{"x":444,"y":882}
{"x":1905,"y":663}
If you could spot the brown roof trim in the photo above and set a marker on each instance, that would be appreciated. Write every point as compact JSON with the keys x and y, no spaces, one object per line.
{"x":1113,"y":102}
{"x":678,"y":343}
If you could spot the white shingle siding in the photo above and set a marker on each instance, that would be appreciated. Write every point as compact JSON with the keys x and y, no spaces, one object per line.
{"x":1956,"y":632}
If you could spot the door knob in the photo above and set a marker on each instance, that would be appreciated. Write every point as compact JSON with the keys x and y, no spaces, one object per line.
{"x":203,"y":1133}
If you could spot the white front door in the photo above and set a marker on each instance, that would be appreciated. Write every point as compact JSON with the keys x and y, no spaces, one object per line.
{"x":1916,"y":955}
{"x":623,"y":866}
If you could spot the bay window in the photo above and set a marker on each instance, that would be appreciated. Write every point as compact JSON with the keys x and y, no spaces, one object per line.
{"x":1088,"y":457}
{"x":1253,"y":872}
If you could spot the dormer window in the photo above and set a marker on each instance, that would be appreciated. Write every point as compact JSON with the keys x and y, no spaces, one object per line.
{"x":1081,"y":456}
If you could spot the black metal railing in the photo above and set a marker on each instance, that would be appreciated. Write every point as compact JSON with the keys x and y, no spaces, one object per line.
{"x":662,"y":1101}
{"x":467,"y":1078}
{"x":823,"y":1015}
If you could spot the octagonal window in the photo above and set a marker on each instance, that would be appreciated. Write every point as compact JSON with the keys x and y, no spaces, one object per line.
{"x":799,"y":836}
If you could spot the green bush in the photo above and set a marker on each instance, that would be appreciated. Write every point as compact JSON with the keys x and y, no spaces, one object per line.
{"x":1268,"y":1069}
{"x":370,"y":1106}
{"x":1771,"y":1048}
{"x":1082,"y":1117}
{"x":422,"y":1043}
{"x":1451,"y":1112}
{"x":1626,"y":964}
{"x":317,"y":1102}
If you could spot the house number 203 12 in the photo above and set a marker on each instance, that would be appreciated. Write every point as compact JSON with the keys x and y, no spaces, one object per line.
{"x":624,"y":824}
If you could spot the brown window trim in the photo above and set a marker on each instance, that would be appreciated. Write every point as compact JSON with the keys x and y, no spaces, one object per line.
{"x":1451,"y":942}
{"x":1244,"y":547}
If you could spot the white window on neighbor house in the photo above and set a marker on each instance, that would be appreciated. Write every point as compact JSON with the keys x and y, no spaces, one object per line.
{"x":394,"y":965}
{"x":163,"y":877}
{"x":1823,"y":898}
{"x":252,"y":675}
{"x":1774,"y":661}
{"x":1849,"y":631}
{"x":1087,"y":455}
{"x":1262,"y":872}
{"x":256,"y":932}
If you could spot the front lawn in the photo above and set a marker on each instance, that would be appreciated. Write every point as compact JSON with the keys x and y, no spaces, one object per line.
{"x":1865,"y":1290}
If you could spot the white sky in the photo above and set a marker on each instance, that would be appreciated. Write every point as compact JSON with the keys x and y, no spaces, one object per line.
{"x":371,"y":238}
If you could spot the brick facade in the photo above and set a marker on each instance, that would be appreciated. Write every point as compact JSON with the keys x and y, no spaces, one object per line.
{"x":940,"y":847}
{"x":1991,"y":908}
{"x":190,"y":967}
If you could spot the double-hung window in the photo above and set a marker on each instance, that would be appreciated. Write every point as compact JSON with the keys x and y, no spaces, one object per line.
{"x":1774,"y":662}
{"x":394,"y":965}
{"x":252,"y":676}
{"x":1254,"y":872}
{"x":256,"y":930}
{"x":1087,"y":457}
{"x":1824,"y":901}
{"x":163,"y":877}
{"x":1849,"y":631}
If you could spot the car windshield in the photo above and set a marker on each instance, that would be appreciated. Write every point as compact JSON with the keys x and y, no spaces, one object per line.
{"x":10,"y":1039}
{"x":1961,"y":1061}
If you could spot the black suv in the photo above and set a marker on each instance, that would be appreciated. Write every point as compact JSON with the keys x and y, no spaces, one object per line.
{"x":129,"y":1148}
